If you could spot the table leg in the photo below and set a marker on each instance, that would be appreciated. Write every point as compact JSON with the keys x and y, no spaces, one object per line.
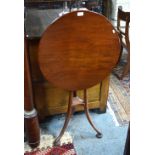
{"x":72,"y":103}
{"x":68,"y":116}
{"x":99,"y":134}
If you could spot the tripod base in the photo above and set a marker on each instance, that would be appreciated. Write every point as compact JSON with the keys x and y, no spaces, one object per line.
{"x":74,"y":101}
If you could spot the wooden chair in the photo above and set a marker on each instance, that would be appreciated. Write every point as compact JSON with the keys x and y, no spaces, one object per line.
{"x":124,"y":38}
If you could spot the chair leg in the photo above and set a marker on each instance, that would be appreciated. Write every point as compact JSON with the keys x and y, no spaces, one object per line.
{"x":68,"y":116}
{"x":99,"y":134}
{"x":126,"y":68}
{"x":121,"y":51}
{"x":125,"y":71}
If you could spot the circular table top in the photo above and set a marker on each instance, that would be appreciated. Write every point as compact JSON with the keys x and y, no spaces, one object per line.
{"x":78,"y":50}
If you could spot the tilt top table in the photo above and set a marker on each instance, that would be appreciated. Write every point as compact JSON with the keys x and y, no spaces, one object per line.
{"x":77,"y":51}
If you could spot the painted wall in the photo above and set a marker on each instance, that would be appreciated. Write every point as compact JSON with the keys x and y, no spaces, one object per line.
{"x":115,"y":3}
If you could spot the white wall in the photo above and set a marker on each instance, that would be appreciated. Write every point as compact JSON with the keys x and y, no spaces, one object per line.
{"x":115,"y":3}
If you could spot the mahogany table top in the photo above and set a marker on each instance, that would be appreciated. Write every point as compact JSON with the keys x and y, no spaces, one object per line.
{"x":78,"y":50}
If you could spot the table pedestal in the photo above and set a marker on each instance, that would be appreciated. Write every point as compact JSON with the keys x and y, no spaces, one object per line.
{"x":74,"y":100}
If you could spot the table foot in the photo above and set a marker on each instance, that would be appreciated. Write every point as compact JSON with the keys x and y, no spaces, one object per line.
{"x":56,"y":143}
{"x":99,"y":135}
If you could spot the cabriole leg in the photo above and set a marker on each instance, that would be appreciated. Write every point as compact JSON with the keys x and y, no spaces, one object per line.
{"x":99,"y":134}
{"x":68,"y":116}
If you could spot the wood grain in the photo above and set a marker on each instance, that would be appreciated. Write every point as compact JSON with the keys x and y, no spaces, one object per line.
{"x":28,"y":93}
{"x":30,"y":114}
{"x":77,"y":52}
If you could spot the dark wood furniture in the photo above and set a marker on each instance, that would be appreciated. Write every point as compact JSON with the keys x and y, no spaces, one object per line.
{"x":83,"y":56}
{"x":48,"y":99}
{"x":101,"y":6}
{"x":124,"y":37}
{"x":30,"y":114}
{"x":127,"y":142}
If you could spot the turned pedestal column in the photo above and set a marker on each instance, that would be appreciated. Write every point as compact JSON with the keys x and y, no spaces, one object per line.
{"x":30,"y":114}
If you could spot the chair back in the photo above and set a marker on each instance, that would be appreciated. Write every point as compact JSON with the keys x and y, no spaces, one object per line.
{"x":125,"y":17}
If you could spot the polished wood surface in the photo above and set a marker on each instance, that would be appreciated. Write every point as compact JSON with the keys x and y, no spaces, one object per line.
{"x":30,"y":114}
{"x":28,"y":97}
{"x":83,"y":56}
{"x":50,"y":100}
{"x":32,"y":131}
{"x":77,"y":52}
